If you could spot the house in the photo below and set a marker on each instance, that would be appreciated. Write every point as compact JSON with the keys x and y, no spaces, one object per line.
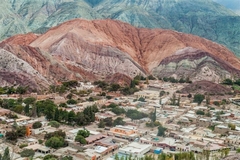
{"x":126,"y":132}
{"x":39,"y":148}
{"x":136,"y":150}
{"x":221,"y":129}
{"x":202,"y":122}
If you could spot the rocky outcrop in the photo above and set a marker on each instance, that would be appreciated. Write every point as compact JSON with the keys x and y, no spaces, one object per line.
{"x":208,"y":87}
{"x":15,"y":71}
{"x":196,"y":65}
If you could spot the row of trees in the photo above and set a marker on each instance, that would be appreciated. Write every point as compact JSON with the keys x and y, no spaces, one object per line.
{"x":13,"y":90}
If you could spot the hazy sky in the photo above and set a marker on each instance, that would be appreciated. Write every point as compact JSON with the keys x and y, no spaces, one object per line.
{"x":231,"y":4}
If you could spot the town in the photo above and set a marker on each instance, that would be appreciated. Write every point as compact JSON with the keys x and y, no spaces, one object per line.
{"x":164,"y":119}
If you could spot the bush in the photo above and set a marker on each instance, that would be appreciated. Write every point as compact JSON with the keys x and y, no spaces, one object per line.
{"x":37,"y":125}
{"x":27,"y":153}
{"x":199,"y":112}
{"x":23,"y":145}
{"x":54,"y":124}
{"x":71,"y":101}
{"x":55,"y":142}
{"x":40,"y":141}
{"x":198,"y":98}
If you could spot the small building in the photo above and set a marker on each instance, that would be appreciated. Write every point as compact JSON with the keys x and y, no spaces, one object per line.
{"x":202,"y":122}
{"x":221,"y":129}
{"x":126,"y":132}
{"x":135,"y":149}
{"x":39,"y":148}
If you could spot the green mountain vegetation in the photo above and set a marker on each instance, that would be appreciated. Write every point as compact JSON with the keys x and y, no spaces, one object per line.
{"x":204,"y":18}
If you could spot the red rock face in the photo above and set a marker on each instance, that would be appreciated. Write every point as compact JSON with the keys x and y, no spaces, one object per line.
{"x":90,"y":50}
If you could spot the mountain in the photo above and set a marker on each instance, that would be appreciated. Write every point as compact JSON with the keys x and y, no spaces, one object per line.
{"x":231,"y":4}
{"x":104,"y":49}
{"x":204,"y":18}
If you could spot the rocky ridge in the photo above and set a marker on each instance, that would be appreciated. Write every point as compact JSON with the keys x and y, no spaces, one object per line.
{"x":104,"y":49}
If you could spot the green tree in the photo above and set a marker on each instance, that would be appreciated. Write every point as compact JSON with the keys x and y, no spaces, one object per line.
{"x":71,"y":117}
{"x":80,"y":139}
{"x":198,"y":98}
{"x":64,"y":105}
{"x":199,"y":112}
{"x":228,"y":81}
{"x":37,"y":125}
{"x":21,"y":131}
{"x":54,"y":124}
{"x":18,"y":109}
{"x":50,"y":157}
{"x":108,"y":121}
{"x":101,"y":124}
{"x":71,"y":101}
{"x":29,"y":100}
{"x":153,"y":115}
{"x":55,"y":142}
{"x":117,"y":110}
{"x":161,"y":131}
{"x":84,"y":133}
{"x":27,"y":153}
{"x":67,"y":158}
{"x":6,"y":155}
{"x":208,"y":99}
{"x":173,"y":99}
{"x":26,"y":109}
{"x":232,"y":126}
{"x":118,"y":121}
{"x":11,"y":135}
{"x":114,"y":87}
{"x":238,"y":150}
{"x":56,"y":114}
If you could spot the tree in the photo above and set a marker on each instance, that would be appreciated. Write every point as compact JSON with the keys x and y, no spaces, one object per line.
{"x":27,"y":153}
{"x":11,"y":135}
{"x":85,"y":133}
{"x":101,"y":124}
{"x":64,"y":105}
{"x":228,"y":81}
{"x":232,"y":126}
{"x":21,"y":131}
{"x":55,"y":142}
{"x":67,"y":158}
{"x":199,"y":112}
{"x":173,"y":99}
{"x":80,"y":139}
{"x":58,"y":133}
{"x":71,"y":116}
{"x":114,"y":87}
{"x":238,"y":150}
{"x":161,"y":131}
{"x":118,"y":121}
{"x":208,"y":99}
{"x":153,"y":115}
{"x":198,"y":98}
{"x":54,"y":124}
{"x":26,"y":109}
{"x":50,"y":157}
{"x":71,"y":101}
{"x":29,"y":100}
{"x":117,"y":110}
{"x":108,"y":121}
{"x":6,"y":155}
{"x":18,"y":109}
{"x":37,"y":125}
